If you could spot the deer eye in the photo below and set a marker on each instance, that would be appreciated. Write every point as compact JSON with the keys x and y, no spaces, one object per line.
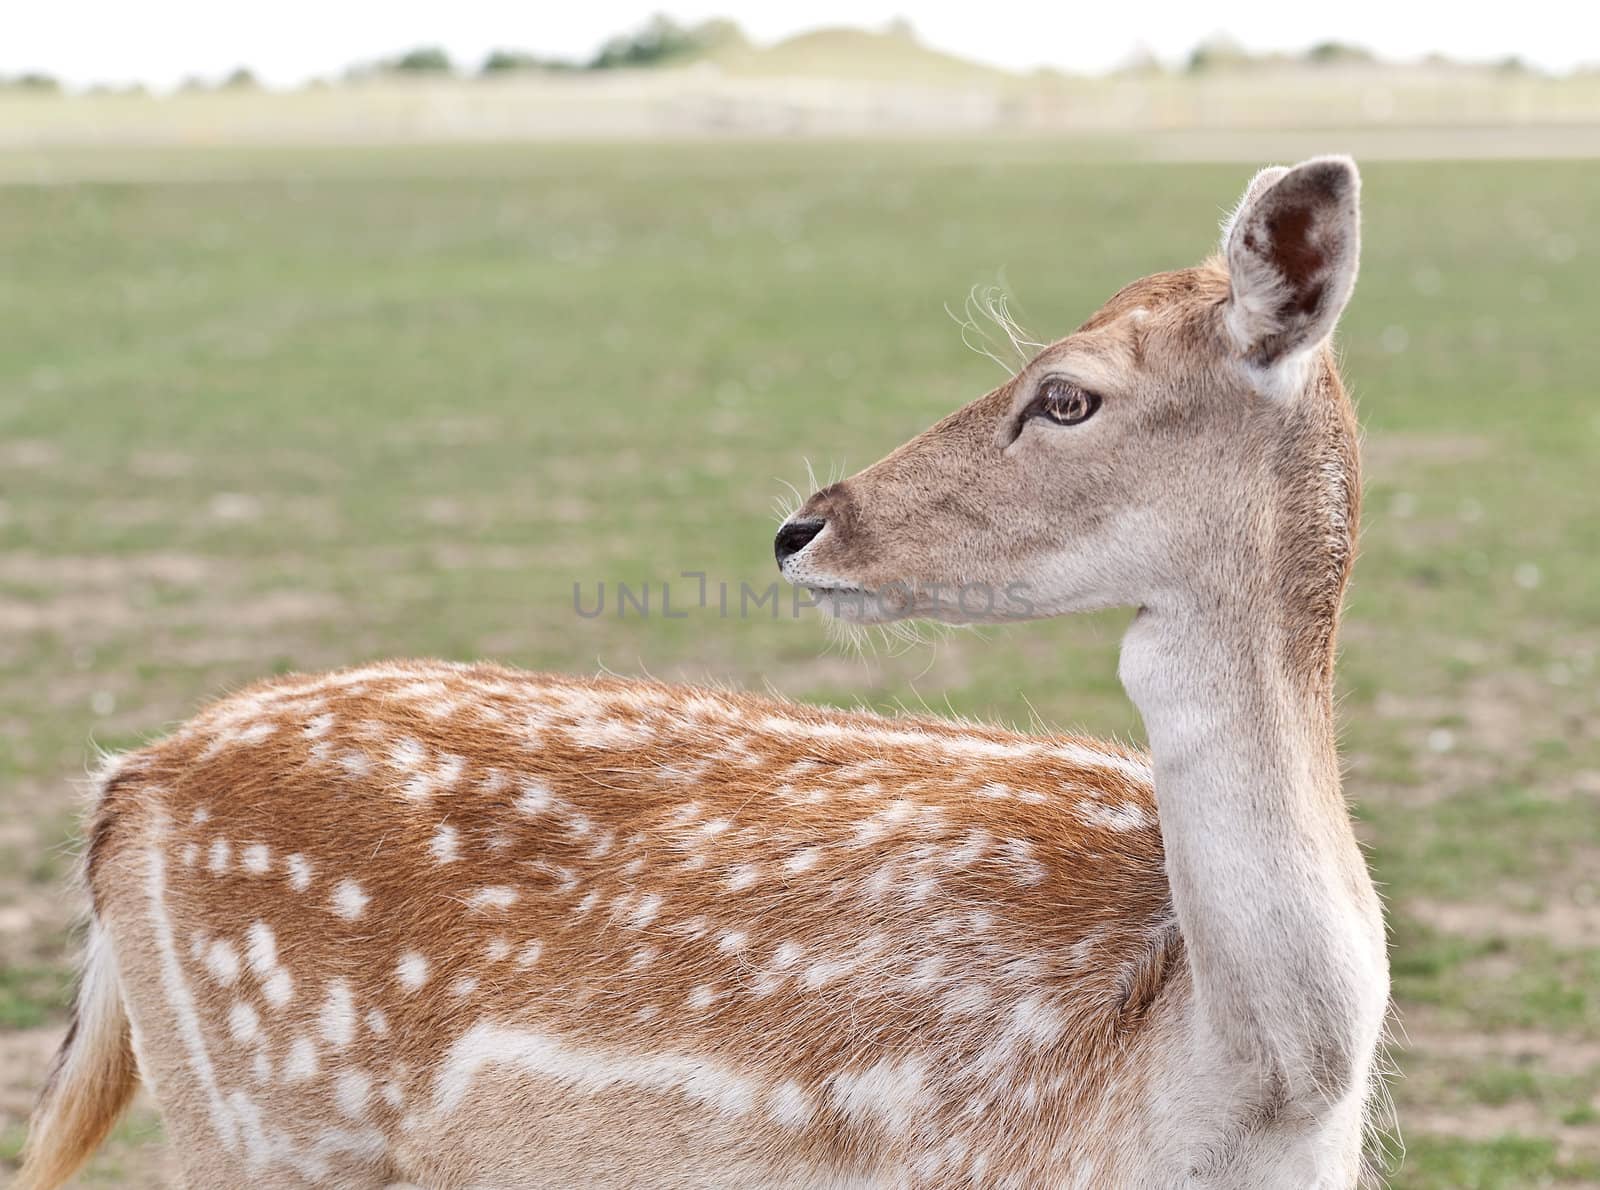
{"x":1064,"y":403}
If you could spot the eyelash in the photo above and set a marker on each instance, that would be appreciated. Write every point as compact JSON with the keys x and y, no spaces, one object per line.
{"x":1062,"y":403}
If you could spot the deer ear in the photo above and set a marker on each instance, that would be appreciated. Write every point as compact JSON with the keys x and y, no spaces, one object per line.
{"x":1292,"y":249}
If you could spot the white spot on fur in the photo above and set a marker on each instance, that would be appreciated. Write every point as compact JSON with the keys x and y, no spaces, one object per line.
{"x":702,"y":997}
{"x":973,"y":845}
{"x":278,"y":987}
{"x":319,"y":725}
{"x":497,"y":950}
{"x":870,"y":829}
{"x":444,"y":846}
{"x":301,"y":1063}
{"x":787,"y":954}
{"x":191,"y":854}
{"x":530,"y":952}
{"x":377,"y":1023}
{"x":890,"y":1092}
{"x":1123,"y":816}
{"x":535,"y":798}
{"x":645,"y":911}
{"x":821,"y":974}
{"x":804,"y":860}
{"x":256,"y":859}
{"x":643,"y":958}
{"x":926,"y":973}
{"x":220,"y":855}
{"x":743,"y":877}
{"x":685,"y":814}
{"x":337,"y":1018}
{"x":222,"y":960}
{"x":349,"y":900}
{"x":411,"y":971}
{"x":495,"y":896}
{"x":407,"y":754}
{"x":256,"y":733}
{"x":464,"y":986}
{"x":1019,"y":856}
{"x":299,"y":872}
{"x":350,"y":1091}
{"x":243,"y":1022}
{"x":261,"y":948}
{"x":790,"y":1105}
{"x":1036,"y":1021}
{"x":443,"y":776}
{"x":732,"y":941}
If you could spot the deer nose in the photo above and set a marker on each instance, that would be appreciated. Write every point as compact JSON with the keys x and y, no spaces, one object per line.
{"x":794,"y":537}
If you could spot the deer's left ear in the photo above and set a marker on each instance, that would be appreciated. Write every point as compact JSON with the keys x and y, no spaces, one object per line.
{"x":1292,"y":251}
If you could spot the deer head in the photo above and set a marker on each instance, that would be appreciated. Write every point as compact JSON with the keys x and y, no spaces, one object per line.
{"x":1189,"y":443}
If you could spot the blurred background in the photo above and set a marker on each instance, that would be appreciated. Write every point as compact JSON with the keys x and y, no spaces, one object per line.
{"x":335,"y":332}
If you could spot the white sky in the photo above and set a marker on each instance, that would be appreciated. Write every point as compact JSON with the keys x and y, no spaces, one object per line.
{"x":158,"y":42}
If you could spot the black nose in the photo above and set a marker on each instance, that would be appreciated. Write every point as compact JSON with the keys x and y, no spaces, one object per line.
{"x":794,"y":537}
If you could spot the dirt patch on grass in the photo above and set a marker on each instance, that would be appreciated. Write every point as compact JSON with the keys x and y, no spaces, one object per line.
{"x":1540,"y":1075}
{"x":104,"y":570}
{"x":1489,"y":727}
{"x":1558,"y":1053}
{"x":66,"y":613}
{"x":1564,"y":923}
{"x":1483,"y":1122}
{"x":29,"y":454}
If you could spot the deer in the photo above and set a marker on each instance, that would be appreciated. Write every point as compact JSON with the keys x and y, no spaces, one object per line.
{"x":457,"y":925}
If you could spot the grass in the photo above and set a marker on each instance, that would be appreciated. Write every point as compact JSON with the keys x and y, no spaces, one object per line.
{"x":314,"y":408}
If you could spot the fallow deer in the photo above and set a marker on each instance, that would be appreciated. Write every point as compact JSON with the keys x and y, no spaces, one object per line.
{"x":463,"y":926}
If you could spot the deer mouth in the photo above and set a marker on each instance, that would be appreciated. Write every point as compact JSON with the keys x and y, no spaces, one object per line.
{"x":857,"y":605}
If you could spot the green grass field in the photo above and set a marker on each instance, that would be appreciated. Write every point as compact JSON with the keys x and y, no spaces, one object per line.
{"x":299,"y":409}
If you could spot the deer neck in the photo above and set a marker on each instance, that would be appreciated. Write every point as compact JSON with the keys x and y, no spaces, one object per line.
{"x":1231,"y":710}
{"x":1268,"y":883}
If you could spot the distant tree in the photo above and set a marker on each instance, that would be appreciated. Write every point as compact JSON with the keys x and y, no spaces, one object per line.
{"x":241,"y":78}
{"x":661,"y":39}
{"x":902,"y":29}
{"x":32,"y":80}
{"x":428,"y":59}
{"x":1512,"y":64}
{"x":1217,"y":52}
{"x":505,"y":61}
{"x":509,"y":61}
{"x":1334,"y":53}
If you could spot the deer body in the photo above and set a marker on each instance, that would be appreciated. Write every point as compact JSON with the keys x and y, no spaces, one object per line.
{"x":463,"y":926}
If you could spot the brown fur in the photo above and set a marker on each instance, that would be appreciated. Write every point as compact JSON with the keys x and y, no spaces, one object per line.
{"x":618,"y":806}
